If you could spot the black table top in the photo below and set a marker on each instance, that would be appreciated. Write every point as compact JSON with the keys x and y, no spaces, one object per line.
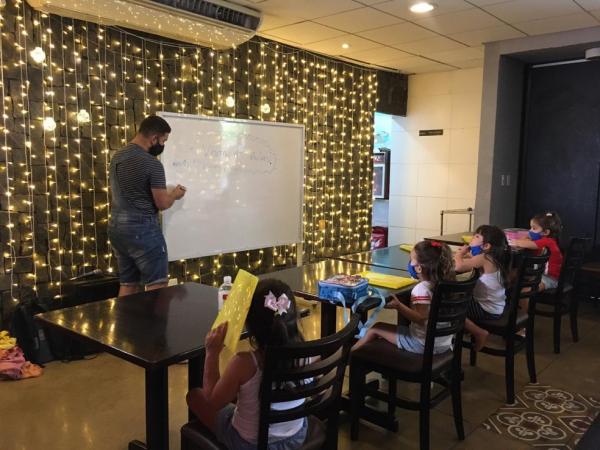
{"x":151,"y":329}
{"x":304,"y":280}
{"x":451,"y":239}
{"x":391,"y":257}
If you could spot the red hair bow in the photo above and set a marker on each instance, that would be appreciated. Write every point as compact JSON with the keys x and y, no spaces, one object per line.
{"x":436,"y":244}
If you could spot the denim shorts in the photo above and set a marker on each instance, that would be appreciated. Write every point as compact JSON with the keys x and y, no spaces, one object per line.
{"x":140,"y":249}
{"x":549,"y":282}
{"x":230,"y":437}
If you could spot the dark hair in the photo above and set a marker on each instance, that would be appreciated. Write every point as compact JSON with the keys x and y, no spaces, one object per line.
{"x":499,"y":251}
{"x":266,"y":328}
{"x":154,"y":125}
{"x":435,"y":259}
{"x":549,"y":221}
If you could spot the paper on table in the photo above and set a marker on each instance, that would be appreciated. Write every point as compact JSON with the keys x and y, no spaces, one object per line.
{"x":406,"y":247}
{"x":235,"y":308}
{"x":467,"y":238}
{"x":388,"y":281}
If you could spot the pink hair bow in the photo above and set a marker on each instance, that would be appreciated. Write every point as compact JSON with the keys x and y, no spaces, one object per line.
{"x":279,"y":305}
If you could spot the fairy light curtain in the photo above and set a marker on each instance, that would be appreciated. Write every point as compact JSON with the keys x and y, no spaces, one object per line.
{"x":72,"y":93}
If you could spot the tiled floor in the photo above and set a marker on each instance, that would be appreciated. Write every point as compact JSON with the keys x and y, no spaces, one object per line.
{"x":99,"y":404}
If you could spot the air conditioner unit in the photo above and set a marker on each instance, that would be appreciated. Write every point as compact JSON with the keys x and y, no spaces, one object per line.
{"x":212,"y":23}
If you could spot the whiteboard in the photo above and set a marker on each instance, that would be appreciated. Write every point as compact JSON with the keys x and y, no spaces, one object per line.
{"x":244,"y":183}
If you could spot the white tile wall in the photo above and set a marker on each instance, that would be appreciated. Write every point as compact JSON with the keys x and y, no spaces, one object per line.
{"x":432,"y":173}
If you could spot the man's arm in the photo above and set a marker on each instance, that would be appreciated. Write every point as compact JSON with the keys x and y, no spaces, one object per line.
{"x":164,"y":198}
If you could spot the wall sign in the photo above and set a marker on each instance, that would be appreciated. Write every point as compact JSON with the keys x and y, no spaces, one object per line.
{"x":431,"y":132}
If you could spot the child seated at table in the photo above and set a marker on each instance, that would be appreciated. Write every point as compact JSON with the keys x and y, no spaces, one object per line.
{"x":271,"y":320}
{"x":488,"y":251}
{"x":544,"y":233}
{"x":430,"y":262}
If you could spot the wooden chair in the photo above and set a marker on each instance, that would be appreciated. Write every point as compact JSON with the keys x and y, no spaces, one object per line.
{"x":564,"y":299}
{"x":513,"y":320}
{"x":446,"y":317}
{"x":329,"y":357}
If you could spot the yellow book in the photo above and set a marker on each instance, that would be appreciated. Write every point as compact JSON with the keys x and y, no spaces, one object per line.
{"x":406,"y":247}
{"x":235,"y":308}
{"x":467,"y":238}
{"x":387,"y":281}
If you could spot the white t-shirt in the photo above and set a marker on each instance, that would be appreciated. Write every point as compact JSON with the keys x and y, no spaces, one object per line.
{"x":489,"y":292}
{"x":421,"y":294}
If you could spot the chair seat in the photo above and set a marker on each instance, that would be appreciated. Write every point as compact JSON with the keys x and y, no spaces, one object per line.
{"x":547,"y":296}
{"x":499,"y":326}
{"x":384,"y":354}
{"x":195,"y":436}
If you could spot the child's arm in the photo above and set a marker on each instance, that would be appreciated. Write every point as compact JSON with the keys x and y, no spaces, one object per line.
{"x":462,"y":264}
{"x":419,"y":315}
{"x":217,"y":391}
{"x":524,"y":243}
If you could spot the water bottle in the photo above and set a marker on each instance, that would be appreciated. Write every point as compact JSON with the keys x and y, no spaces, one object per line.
{"x":224,"y":291}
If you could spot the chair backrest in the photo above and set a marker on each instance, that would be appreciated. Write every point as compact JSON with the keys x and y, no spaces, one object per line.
{"x":574,"y":258}
{"x":447,"y":314}
{"x":526,"y":285}
{"x":312,"y":371}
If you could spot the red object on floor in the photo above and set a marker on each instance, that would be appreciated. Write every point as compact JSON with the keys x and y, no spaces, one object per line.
{"x":379,"y":237}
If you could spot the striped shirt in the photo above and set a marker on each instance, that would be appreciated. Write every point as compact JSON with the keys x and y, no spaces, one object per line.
{"x":137,"y":173}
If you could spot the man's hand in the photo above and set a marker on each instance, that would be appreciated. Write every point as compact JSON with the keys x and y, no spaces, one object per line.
{"x":179,"y":191}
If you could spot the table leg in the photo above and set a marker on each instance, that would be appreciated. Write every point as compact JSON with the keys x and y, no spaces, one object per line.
{"x":157,"y":411}
{"x":195,"y":375}
{"x":328,"y":319}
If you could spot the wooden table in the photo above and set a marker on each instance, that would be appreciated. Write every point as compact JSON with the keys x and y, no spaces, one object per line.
{"x":391,"y":257}
{"x":304,"y":280}
{"x":451,"y":239}
{"x":153,"y":330}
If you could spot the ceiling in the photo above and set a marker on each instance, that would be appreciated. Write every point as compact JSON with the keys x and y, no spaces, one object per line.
{"x":386,"y":33}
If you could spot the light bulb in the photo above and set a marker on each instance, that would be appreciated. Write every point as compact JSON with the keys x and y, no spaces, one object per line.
{"x":422,"y":7}
{"x":345,"y":45}
{"x":38,"y":55}
{"x":265,"y":108}
{"x":49,"y":124}
{"x":229,"y":101}
{"x":83,"y":116}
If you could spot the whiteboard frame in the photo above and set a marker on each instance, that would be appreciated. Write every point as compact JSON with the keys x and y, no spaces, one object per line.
{"x":299,"y":244}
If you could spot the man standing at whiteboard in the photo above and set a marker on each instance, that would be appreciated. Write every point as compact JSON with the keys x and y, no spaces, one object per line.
{"x":139,"y":192}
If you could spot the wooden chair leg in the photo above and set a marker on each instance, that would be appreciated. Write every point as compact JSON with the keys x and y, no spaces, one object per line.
{"x":509,"y":370}
{"x":472,"y":353}
{"x":557,"y":317}
{"x":392,"y":388}
{"x":529,"y":349}
{"x":357,"y":398}
{"x":457,"y":404}
{"x":331,"y":440}
{"x":573,"y":309}
{"x":424,"y":414}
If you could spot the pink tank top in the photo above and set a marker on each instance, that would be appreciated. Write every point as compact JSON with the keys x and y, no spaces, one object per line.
{"x":247,"y":411}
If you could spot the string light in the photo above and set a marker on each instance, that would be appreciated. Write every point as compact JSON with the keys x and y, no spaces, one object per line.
{"x":38,"y":55}
{"x":97,"y":82}
{"x":83,"y":116}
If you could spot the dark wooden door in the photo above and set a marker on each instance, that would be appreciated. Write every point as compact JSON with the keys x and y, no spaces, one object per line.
{"x":560,"y":162}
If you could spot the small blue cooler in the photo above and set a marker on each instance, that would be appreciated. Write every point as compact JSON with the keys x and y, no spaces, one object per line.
{"x":329,"y":290}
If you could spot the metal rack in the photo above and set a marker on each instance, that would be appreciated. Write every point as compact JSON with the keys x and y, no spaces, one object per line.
{"x":469,"y":211}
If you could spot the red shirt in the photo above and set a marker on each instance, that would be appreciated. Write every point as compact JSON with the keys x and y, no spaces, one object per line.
{"x":556,"y":258}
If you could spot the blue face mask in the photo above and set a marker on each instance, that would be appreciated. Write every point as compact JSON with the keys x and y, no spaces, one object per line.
{"x":476,"y":250}
{"x":412,"y":271}
{"x":535,"y":236}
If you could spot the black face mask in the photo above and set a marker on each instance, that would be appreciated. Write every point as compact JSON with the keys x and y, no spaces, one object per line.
{"x":156,"y":149}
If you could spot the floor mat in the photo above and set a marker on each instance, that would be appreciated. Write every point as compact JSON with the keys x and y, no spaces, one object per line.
{"x":545,"y":417}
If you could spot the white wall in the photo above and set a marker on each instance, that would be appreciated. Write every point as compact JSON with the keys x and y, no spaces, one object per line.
{"x":432,"y":173}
